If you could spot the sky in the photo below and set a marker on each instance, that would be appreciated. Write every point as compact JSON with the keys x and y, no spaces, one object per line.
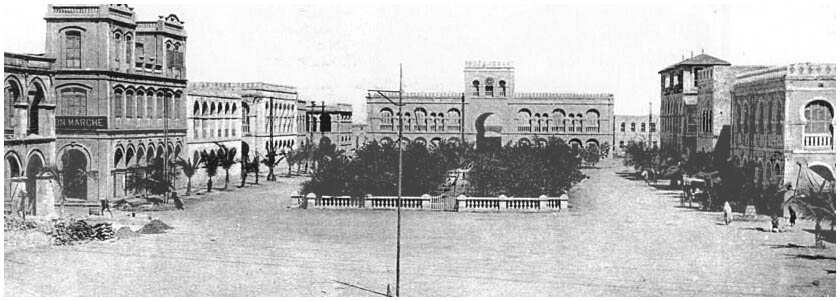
{"x":335,"y":51}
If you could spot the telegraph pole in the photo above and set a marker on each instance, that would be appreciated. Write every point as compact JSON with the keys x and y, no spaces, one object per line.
{"x":650,"y":121}
{"x":271,"y":149}
{"x":166,"y":114}
{"x":400,"y":167}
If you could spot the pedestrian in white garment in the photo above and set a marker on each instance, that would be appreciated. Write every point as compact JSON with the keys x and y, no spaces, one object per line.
{"x":727,"y":212}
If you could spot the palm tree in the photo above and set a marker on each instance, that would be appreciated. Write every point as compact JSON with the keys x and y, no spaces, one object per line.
{"x":211,"y":166}
{"x":814,"y":196}
{"x":189,"y":167}
{"x":227,"y":158}
{"x":271,"y":160}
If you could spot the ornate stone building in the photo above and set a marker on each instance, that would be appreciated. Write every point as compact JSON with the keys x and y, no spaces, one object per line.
{"x":636,"y":128}
{"x":679,"y":89}
{"x":782,"y":116}
{"x":111,"y":98}
{"x":29,"y":132}
{"x":490,"y":112}
{"x":330,"y":124}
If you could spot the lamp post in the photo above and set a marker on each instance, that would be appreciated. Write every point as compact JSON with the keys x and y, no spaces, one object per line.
{"x":400,"y":168}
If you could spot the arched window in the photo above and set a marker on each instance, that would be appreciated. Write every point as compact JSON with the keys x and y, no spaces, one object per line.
{"x":524,"y":120}
{"x":128,"y":47}
{"x":117,"y":49}
{"x":212,"y":108}
{"x":386,"y":120}
{"x":130,"y":104}
{"x":454,"y":119}
{"x":780,"y":117}
{"x":118,"y":155}
{"x":177,"y":107}
{"x":118,"y":103}
{"x":503,"y":88}
{"x":818,"y":116}
{"x":196,"y":109}
{"x":642,"y":127}
{"x":150,"y":104}
{"x":11,"y":95}
{"x":488,"y":87}
{"x":73,"y":51}
{"x":129,"y":155}
{"x":204,"y":108}
{"x":559,"y":117}
{"x":73,"y":102}
{"x":227,"y":108}
{"x":159,"y":105}
{"x":36,"y":96}
{"x":476,"y":91}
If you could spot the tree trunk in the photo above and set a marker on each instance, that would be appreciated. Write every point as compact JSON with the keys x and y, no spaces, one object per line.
{"x":227,"y":178}
{"x":257,"y":175}
{"x":209,"y":184}
{"x":818,"y":233}
{"x":189,"y":185}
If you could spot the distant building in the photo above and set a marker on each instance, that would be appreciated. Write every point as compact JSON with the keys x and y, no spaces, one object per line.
{"x":679,"y":87}
{"x":331,"y":124}
{"x":490,"y":112}
{"x":635,"y":128}
{"x":359,"y":131}
{"x":213,"y":118}
{"x":783,"y":117}
{"x":266,"y":116}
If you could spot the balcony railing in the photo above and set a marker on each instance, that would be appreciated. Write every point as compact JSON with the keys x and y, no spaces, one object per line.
{"x":825,"y":141}
{"x":386,"y":127}
{"x":453,"y":128}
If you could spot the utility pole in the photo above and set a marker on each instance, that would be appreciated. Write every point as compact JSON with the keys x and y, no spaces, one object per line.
{"x":311,"y":122}
{"x":166,"y":114}
{"x":650,"y":121}
{"x":400,"y":167}
{"x":463,"y":115}
{"x":271,"y":151}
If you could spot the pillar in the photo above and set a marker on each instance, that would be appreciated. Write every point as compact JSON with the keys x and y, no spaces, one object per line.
{"x":544,"y":203}
{"x":426,"y":203}
{"x":503,"y":202}
{"x":310,"y":200}
{"x":462,"y":202}
{"x":564,"y":201}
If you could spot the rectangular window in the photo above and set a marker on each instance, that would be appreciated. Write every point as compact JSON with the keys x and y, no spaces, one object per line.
{"x":642,"y":127}
{"x":129,"y":104}
{"x":74,"y":102}
{"x":633,"y":127}
{"x":140,"y":51}
{"x":488,"y":91}
{"x":653,"y":127}
{"x":74,"y":49}
{"x":118,"y":104}
{"x":621,"y":144}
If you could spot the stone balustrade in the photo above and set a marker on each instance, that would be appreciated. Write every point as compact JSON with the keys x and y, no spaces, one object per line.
{"x":426,"y":202}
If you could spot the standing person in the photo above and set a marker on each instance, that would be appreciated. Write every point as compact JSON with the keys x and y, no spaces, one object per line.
{"x":21,"y":208}
{"x":727,"y":212}
{"x":792,"y":216}
{"x":645,"y":176}
{"x":104,"y":205}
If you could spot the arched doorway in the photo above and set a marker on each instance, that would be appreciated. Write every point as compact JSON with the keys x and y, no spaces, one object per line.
{"x":488,"y":131}
{"x":12,"y":170}
{"x":575,"y":143}
{"x":33,"y":169}
{"x":74,"y":166}
{"x":823,"y":171}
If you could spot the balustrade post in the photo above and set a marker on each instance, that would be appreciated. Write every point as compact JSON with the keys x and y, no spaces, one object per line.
{"x":368,"y":202}
{"x":427,"y":202}
{"x":564,"y":201}
{"x":543,"y":203}
{"x":503,"y":202}
{"x":310,"y":200}
{"x":462,"y":202}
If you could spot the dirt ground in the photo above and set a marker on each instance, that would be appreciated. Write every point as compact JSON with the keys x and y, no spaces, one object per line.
{"x":619,"y":238}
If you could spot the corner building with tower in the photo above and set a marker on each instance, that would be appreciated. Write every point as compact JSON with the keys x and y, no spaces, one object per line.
{"x":489,"y":112}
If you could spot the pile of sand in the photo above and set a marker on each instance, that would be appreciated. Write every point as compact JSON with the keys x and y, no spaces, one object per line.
{"x":154,"y":227}
{"x":125,"y":232}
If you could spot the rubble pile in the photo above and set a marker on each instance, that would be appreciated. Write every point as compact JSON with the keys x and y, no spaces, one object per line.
{"x":79,"y":231}
{"x":154,"y":227}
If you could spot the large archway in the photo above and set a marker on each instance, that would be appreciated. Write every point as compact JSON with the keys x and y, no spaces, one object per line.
{"x":488,"y":128}
{"x":33,"y":169}
{"x":74,"y":165}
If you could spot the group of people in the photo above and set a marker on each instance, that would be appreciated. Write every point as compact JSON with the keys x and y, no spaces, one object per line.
{"x":105,"y":205}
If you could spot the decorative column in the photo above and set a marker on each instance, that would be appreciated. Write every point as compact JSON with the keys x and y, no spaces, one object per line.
{"x":503,"y":202}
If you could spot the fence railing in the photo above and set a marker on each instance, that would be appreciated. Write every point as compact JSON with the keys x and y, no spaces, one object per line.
{"x":818,"y":141}
{"x":427,"y":202}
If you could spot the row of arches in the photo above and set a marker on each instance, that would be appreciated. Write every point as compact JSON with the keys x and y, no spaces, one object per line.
{"x":435,"y":141}
{"x":489,"y":88}
{"x":129,"y":155}
{"x":558,"y":121}
{"x":421,"y":120}
{"x":146,"y":103}
{"x":30,"y":99}
{"x":216,"y":108}
{"x":757,"y":117}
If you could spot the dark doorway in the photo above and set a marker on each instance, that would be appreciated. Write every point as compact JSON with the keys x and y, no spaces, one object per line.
{"x":75,"y":179}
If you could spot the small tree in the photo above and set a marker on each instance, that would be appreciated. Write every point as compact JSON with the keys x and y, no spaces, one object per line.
{"x":227,"y":158}
{"x":270,"y":161}
{"x":211,"y":167}
{"x":592,"y":154}
{"x":150,"y":178}
{"x":189,"y":167}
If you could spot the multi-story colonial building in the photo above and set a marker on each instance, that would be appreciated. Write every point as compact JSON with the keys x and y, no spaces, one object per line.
{"x":783,"y":117}
{"x":490,"y":112}
{"x":106,"y":96}
{"x":330,"y":124}
{"x":679,"y":97}
{"x":29,"y":132}
{"x":213,"y":119}
{"x":635,"y":128}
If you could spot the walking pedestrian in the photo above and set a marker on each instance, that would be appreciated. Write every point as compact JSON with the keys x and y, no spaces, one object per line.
{"x":792,"y":216}
{"x":727,"y":212}
{"x":645,"y":176}
{"x":104,"y":205}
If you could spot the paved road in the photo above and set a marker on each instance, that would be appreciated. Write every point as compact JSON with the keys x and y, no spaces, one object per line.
{"x":620,"y":238}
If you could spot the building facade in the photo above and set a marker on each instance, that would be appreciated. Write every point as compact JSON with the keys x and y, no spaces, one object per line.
{"x":213,"y":119}
{"x":679,"y":89}
{"x":268,"y":117}
{"x":330,"y":124}
{"x":109,"y":91}
{"x":783,"y":118}
{"x":489,"y":111}
{"x":29,"y":133}
{"x":635,"y":128}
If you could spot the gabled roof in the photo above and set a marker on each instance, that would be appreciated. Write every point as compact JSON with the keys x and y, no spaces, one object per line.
{"x":699,"y":60}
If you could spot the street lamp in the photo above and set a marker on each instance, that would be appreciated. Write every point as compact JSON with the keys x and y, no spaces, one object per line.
{"x":400,"y":167}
